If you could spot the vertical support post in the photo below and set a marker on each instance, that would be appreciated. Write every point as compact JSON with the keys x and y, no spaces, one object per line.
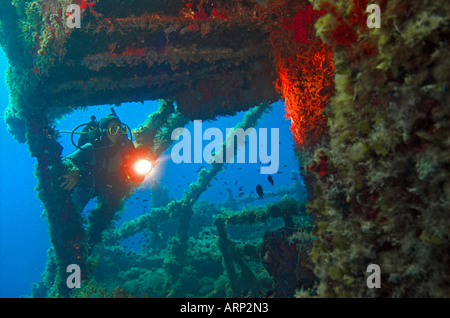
{"x":65,"y":225}
{"x":226,"y":248}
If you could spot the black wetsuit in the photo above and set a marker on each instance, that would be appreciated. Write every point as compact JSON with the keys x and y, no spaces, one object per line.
{"x":102,"y":171}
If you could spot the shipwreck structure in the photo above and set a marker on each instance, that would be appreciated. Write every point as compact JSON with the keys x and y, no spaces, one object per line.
{"x":369,"y":110}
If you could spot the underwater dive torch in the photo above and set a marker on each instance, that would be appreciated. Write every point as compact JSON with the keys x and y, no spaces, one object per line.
{"x":140,"y":165}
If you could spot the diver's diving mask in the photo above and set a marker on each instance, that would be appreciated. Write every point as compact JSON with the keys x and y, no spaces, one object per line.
{"x":114,"y":130}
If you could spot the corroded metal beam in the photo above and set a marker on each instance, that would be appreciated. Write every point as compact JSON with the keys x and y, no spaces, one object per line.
{"x":211,"y":58}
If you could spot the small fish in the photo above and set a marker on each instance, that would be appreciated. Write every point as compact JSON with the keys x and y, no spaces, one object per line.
{"x":235,"y":181}
{"x":145,"y":200}
{"x":240,"y":188}
{"x":270,"y":179}
{"x":259,"y":190}
{"x":241,"y":194}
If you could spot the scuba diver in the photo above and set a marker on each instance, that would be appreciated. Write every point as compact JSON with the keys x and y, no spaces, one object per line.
{"x":106,"y":165}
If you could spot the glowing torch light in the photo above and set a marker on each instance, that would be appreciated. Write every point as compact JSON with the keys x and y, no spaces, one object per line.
{"x":139,"y":167}
{"x":142,"y":167}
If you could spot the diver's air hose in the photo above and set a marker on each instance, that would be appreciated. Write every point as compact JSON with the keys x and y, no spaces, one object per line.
{"x":94,"y":125}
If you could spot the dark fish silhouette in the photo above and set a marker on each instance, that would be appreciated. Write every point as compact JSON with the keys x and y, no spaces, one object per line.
{"x":240,"y":188}
{"x":270,"y":179}
{"x":259,"y":190}
{"x":241,"y":194}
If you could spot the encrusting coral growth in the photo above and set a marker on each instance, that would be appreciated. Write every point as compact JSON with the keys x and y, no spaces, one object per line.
{"x":188,"y":53}
{"x":305,"y":73}
{"x":382,"y":190}
{"x":304,"y":66}
{"x":233,"y":253}
{"x":154,"y":134}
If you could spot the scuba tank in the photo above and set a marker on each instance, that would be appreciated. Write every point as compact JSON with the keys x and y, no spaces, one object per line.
{"x":90,"y":133}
